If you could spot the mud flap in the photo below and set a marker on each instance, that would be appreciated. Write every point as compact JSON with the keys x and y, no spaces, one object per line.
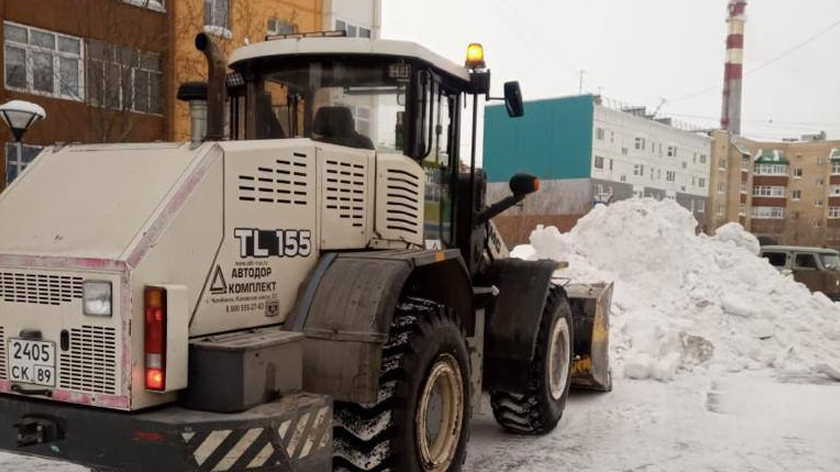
{"x":591,"y":312}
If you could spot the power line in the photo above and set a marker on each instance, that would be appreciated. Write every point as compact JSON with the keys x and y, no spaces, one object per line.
{"x":759,"y":121}
{"x":765,"y":64}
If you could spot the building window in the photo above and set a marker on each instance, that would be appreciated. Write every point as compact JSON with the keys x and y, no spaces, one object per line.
{"x":14,"y":163}
{"x":362,"y":117}
{"x":599,"y":162}
{"x":600,"y":134}
{"x":640,"y":144}
{"x":701,"y":182}
{"x":671,"y":176}
{"x":623,"y":178}
{"x":685,"y":165}
{"x":624,"y":151}
{"x":693,"y":181}
{"x":797,"y":173}
{"x":768,"y":213}
{"x":743,"y":188}
{"x":703,"y":158}
{"x":820,"y":182}
{"x":639,"y":170}
{"x":672,"y":151}
{"x":722,"y":163}
{"x":796,"y":195}
{"x":819,"y":203}
{"x":701,"y":206}
{"x":768,"y":191}
{"x":43,"y":62}
{"x":353,"y":31}
{"x":742,"y":210}
{"x":834,"y":212}
{"x":721,"y":187}
{"x":611,"y":164}
{"x":156,"y":5}
{"x":771,"y":169}
{"x":124,"y":78}
{"x":217,"y":17}
{"x":835,"y":167}
{"x":745,"y":165}
{"x":277,"y":27}
{"x":820,"y":161}
{"x":720,"y":209}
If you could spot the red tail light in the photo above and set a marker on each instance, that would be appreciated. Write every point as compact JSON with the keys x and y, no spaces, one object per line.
{"x":155,"y":338}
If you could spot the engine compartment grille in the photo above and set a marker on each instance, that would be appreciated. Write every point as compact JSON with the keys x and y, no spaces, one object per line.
{"x":403,"y":202}
{"x":283,"y":182}
{"x":39,"y":289}
{"x":345,"y":190}
{"x":90,"y":365}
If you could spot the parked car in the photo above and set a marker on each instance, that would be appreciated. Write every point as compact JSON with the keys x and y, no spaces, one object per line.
{"x":817,"y":268}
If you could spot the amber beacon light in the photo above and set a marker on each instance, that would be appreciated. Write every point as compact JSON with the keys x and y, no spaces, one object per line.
{"x":475,"y":57}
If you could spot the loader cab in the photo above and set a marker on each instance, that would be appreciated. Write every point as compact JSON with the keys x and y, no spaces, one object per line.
{"x":389,"y":97}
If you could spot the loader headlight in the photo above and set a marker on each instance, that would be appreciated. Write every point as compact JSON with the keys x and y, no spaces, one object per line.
{"x":97,"y":298}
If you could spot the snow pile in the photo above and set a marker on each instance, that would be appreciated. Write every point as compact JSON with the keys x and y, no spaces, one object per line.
{"x":684,"y":300}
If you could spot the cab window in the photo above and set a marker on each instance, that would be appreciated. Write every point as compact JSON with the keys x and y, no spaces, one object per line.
{"x":439,"y":164}
{"x":806,"y":261}
{"x":776,"y":259}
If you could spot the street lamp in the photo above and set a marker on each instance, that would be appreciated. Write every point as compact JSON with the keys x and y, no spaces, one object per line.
{"x":19,"y":115}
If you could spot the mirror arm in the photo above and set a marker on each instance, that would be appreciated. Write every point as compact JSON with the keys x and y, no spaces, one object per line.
{"x":495,"y":209}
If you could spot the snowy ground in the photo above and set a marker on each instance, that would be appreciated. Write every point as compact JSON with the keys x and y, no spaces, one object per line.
{"x":747,"y":421}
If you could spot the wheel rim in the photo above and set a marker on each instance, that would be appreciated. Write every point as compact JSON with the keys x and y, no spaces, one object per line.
{"x":558,"y":358}
{"x":440,"y":415}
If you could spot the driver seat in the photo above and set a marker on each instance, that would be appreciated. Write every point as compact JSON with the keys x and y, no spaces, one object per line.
{"x":335,"y":125}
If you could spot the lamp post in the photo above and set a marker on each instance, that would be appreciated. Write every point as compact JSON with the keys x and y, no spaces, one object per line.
{"x":19,"y":115}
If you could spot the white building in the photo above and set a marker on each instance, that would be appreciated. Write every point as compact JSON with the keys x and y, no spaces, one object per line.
{"x":360,"y":18}
{"x":633,"y":155}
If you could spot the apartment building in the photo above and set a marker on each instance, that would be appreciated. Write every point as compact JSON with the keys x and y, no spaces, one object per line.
{"x":586,"y":153}
{"x":783,"y":192}
{"x":95,"y":66}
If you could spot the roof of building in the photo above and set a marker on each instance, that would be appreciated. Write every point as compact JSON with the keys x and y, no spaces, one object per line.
{"x":818,"y":250}
{"x":835,"y":154}
{"x":323,"y":46}
{"x":770,"y":156}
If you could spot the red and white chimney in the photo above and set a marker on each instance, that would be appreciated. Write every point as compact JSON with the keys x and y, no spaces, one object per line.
{"x":734,"y":71}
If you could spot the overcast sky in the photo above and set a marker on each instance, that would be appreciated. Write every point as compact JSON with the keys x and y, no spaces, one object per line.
{"x":643,"y":51}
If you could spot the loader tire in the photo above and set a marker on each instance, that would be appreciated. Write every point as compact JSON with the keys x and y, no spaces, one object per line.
{"x":538,"y":407}
{"x":421,"y":420}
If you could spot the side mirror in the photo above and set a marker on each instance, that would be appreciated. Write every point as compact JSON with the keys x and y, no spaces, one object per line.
{"x":524,"y":184}
{"x":513,"y":100}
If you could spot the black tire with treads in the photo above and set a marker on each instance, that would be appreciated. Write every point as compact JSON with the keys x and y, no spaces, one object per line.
{"x":381,"y":436}
{"x":532,"y":409}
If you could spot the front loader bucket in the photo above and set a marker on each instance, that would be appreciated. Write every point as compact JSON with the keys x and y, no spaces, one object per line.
{"x":590,"y":305}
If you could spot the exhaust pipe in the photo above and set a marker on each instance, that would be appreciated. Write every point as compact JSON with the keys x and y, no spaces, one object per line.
{"x":216,"y":71}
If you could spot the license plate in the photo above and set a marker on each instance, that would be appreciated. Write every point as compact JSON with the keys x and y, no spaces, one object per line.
{"x":32,"y":362}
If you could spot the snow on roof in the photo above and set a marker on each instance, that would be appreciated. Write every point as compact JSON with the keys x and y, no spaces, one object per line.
{"x":770,"y":156}
{"x":740,"y":147}
{"x":321,"y":46}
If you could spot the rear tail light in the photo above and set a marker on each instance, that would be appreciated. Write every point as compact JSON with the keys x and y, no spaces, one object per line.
{"x":155,"y":338}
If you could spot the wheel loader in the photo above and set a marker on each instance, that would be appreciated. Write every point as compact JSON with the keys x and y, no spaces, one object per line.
{"x":313,"y":283}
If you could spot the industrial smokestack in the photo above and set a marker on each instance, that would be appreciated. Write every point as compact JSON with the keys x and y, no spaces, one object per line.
{"x":734,"y":70}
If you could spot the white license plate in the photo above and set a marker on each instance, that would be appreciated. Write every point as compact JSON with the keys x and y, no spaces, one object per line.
{"x":32,"y":362}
